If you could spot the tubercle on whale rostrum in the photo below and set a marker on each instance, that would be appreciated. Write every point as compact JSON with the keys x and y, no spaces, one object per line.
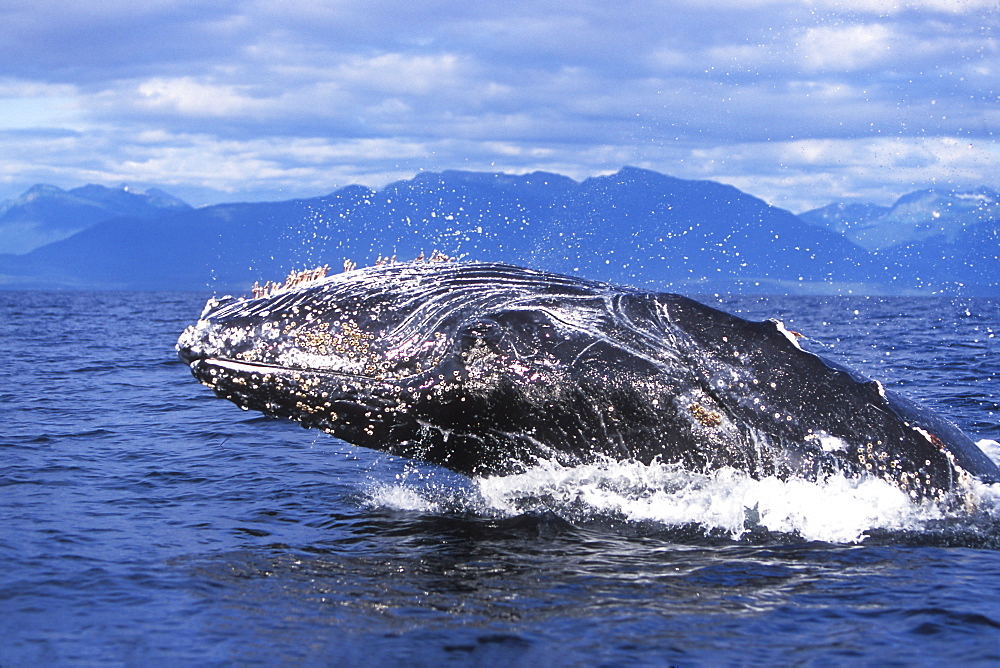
{"x":298,"y":279}
{"x":293,"y":280}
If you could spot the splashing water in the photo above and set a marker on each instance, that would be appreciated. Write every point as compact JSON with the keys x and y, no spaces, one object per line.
{"x":728,"y":502}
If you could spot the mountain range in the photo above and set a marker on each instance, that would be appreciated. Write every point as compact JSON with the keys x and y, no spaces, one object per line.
{"x":921,"y":216}
{"x":44,"y":213}
{"x":635,"y":226}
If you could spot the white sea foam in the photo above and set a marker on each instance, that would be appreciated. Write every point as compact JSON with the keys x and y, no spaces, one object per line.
{"x":728,"y":501}
{"x":401,"y":496}
{"x":991,"y":448}
{"x":837,"y":509}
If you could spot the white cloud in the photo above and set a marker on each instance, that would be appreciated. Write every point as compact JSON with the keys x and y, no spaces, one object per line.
{"x":254,"y":99}
{"x":805,"y":174}
{"x":401,"y":74}
{"x":669,"y":59}
{"x":189,"y":97}
{"x":890,"y":7}
{"x":878,"y":7}
{"x":846,"y":48}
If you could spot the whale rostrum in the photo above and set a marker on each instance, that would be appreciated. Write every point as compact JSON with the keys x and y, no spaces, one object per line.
{"x":488,"y":368}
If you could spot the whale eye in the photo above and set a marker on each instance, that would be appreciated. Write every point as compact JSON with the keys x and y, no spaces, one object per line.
{"x":483,"y":331}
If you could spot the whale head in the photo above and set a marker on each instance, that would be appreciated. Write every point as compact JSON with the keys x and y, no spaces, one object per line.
{"x":433,"y":360}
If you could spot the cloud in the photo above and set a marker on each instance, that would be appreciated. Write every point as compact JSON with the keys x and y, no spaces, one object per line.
{"x":891,"y":7}
{"x":257,"y":100}
{"x":846,"y":48}
{"x":402,"y":75}
{"x":789,"y":174}
{"x":191,"y":98}
{"x":90,"y":43}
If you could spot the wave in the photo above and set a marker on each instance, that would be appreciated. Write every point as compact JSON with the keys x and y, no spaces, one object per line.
{"x":727,"y":502}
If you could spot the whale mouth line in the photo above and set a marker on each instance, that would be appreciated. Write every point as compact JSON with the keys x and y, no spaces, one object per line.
{"x":271,"y":369}
{"x":244,"y":367}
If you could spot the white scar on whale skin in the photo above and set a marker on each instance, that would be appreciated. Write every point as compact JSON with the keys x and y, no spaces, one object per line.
{"x":791,"y":336}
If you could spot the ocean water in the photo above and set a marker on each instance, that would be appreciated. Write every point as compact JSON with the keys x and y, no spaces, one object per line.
{"x":145,"y":522}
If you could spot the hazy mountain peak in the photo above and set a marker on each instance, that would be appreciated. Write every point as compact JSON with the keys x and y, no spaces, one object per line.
{"x":913,"y":218}
{"x":843,"y":217}
{"x":45,"y":213}
{"x":39,"y":190}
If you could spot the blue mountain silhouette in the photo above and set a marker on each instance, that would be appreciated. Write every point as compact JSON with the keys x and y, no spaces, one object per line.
{"x":637,"y":227}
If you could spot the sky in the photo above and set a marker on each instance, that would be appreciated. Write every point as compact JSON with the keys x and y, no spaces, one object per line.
{"x":798,"y":102}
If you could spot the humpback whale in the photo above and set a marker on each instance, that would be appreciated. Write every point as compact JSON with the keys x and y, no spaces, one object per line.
{"x":488,"y":368}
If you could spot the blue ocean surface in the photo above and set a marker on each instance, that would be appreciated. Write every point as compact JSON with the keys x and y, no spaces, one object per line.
{"x":145,"y":521}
